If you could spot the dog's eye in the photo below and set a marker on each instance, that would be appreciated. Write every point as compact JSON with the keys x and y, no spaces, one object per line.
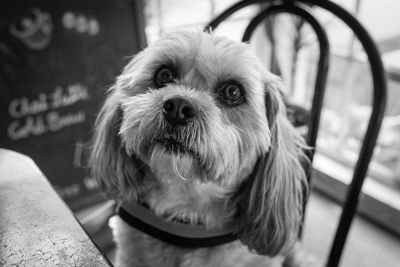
{"x":164,"y":75}
{"x":231,"y":94}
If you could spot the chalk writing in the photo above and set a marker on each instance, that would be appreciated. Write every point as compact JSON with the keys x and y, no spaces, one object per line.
{"x":56,"y":121}
{"x":39,"y":124}
{"x":79,"y":147}
{"x":34,"y":117}
{"x":32,"y":126}
{"x":21,"y":107}
{"x":80,"y":23}
{"x":60,"y":97}
{"x":34,"y":29}
{"x":65,"y":97}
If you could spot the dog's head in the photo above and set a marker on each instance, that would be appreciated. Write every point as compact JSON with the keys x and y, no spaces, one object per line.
{"x":203,"y":108}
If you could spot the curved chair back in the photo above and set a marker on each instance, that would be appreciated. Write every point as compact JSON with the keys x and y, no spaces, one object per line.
{"x":301,"y":9}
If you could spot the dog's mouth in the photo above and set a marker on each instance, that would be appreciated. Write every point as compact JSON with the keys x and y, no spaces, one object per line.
{"x":174,"y":146}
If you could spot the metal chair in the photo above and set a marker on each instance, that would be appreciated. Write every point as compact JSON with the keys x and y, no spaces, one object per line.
{"x":301,"y":9}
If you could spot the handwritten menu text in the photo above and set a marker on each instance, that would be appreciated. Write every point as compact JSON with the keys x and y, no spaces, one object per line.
{"x":34,"y":117}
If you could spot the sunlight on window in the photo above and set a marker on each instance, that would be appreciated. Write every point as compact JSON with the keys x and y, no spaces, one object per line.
{"x":347,"y":105}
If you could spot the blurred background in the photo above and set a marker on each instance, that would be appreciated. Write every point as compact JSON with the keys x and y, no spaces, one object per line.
{"x":58,"y":60}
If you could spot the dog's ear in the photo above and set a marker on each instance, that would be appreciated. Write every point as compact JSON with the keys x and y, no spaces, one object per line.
{"x":273,"y":95}
{"x":115,"y":171}
{"x":271,"y":203}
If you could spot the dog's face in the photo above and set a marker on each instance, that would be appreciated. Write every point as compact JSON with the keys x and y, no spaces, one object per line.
{"x":196,"y":107}
{"x":196,"y":103}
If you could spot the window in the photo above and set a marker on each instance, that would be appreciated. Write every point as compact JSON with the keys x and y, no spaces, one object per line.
{"x":347,"y":107}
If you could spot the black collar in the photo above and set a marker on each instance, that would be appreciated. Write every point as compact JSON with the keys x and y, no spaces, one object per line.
{"x":181,"y":234}
{"x":175,"y":233}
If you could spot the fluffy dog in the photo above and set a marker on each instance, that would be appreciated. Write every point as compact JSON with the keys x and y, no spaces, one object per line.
{"x":183,"y":129}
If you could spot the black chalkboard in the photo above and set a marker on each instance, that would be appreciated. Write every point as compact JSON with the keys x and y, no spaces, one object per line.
{"x":57,"y":60}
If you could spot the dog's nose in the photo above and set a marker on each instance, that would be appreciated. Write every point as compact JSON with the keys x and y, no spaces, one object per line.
{"x":178,"y":111}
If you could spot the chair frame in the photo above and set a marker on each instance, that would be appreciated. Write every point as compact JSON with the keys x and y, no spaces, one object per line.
{"x":299,"y":8}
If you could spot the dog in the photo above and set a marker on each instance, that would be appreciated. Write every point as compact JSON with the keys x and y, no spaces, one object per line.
{"x":195,"y":131}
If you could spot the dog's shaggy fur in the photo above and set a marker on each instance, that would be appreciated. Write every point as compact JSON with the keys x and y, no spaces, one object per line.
{"x":197,"y":169}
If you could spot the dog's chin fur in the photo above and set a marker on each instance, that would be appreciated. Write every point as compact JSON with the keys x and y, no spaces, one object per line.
{"x":200,"y":172}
